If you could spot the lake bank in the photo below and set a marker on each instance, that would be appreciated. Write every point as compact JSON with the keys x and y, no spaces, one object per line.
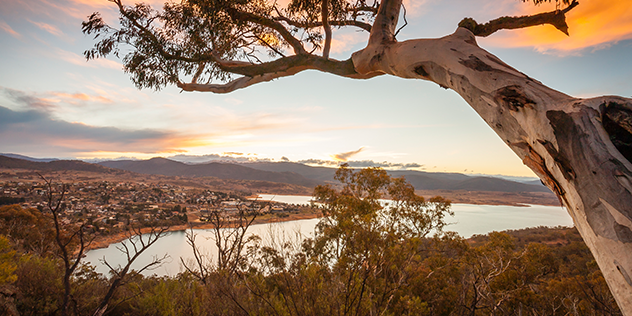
{"x":105,"y":241}
{"x":457,"y":197}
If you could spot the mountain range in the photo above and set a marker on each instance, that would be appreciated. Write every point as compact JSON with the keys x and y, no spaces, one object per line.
{"x":51,"y":165}
{"x":280,"y":172}
{"x":168,"y":167}
{"x":421,"y":180}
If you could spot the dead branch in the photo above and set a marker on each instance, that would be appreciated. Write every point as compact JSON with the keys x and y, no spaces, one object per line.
{"x":556,"y":18}
{"x":140,"y":242}
{"x":71,"y":261}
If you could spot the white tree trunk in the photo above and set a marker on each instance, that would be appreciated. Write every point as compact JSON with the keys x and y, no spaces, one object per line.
{"x":561,"y":138}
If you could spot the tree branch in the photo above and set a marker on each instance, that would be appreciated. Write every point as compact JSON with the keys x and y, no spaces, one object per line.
{"x":283,"y":67}
{"x":556,"y":18}
{"x":120,"y":273}
{"x":325,"y":17}
{"x":270,"y":23}
{"x":362,"y":25}
{"x":363,"y":9}
{"x":385,"y":22}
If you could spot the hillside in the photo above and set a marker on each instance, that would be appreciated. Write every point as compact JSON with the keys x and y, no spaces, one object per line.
{"x":28,"y":158}
{"x":168,"y":167}
{"x":419,"y":179}
{"x":55,"y":165}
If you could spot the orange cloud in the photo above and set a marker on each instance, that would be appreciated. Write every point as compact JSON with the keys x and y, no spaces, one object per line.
{"x":592,"y":23}
{"x":81,"y":97}
{"x":346,"y":155}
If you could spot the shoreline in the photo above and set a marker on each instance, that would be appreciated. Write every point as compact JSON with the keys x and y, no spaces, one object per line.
{"x":106,"y":241}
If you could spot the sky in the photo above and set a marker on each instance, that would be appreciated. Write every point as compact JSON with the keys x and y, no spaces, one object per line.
{"x":55,"y":104}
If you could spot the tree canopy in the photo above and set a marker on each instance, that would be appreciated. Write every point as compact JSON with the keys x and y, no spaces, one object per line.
{"x":223,"y":45}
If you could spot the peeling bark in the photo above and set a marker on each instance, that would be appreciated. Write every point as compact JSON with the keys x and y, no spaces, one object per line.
{"x":578,"y":147}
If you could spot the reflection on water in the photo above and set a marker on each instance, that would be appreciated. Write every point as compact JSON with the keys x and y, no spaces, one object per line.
{"x":468,"y":220}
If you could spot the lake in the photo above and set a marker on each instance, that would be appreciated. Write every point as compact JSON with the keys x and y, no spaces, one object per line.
{"x":468,"y":220}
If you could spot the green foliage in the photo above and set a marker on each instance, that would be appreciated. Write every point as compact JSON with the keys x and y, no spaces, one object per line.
{"x":29,"y":229}
{"x":88,"y":288}
{"x":191,"y":40}
{"x":371,"y":244}
{"x":178,"y":296}
{"x":7,"y":262}
{"x":186,"y":38}
{"x":39,"y":285}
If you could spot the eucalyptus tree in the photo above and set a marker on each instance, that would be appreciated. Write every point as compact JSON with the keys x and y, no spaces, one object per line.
{"x":579,"y":147}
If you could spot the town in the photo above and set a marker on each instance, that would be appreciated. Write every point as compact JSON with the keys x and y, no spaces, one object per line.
{"x":110,"y":207}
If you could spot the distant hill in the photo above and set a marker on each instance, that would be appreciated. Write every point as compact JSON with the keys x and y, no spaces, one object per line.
{"x":56,"y":165}
{"x":29,"y":158}
{"x":419,"y":179}
{"x":320,"y":174}
{"x":168,"y":167}
{"x":535,"y":182}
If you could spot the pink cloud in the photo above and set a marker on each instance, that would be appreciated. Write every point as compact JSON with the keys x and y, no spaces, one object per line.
{"x":71,"y":98}
{"x":48,"y":28}
{"x":5,"y":27}
{"x":79,"y":60}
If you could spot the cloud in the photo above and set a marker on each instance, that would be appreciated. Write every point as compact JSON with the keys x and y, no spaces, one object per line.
{"x":106,"y":4}
{"x":415,"y":7}
{"x":48,"y":28}
{"x":344,"y":42}
{"x":363,"y":164}
{"x":592,"y":23}
{"x":29,"y":130}
{"x":74,"y":98}
{"x":35,"y":130}
{"x":79,"y":60}
{"x":346,"y":155}
{"x":196,"y":159}
{"x":233,"y":101}
{"x":48,"y":102}
{"x":29,"y":101}
{"x":5,"y":27}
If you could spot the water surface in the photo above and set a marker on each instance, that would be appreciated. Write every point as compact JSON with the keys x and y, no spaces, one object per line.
{"x":468,"y":220}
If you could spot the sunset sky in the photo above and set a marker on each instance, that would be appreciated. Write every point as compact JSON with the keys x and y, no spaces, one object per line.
{"x":55,"y":104}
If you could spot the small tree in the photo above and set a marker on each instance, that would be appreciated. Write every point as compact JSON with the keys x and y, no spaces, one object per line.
{"x":137,"y":243}
{"x":70,"y":240}
{"x":230,"y":236}
{"x":370,"y":243}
